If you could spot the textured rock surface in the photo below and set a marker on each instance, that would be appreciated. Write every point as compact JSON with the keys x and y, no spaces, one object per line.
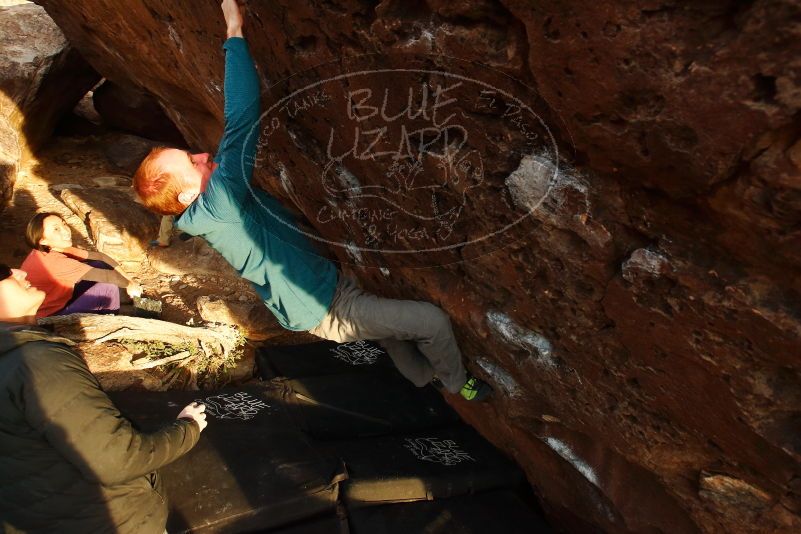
{"x":41,"y":78}
{"x":9,"y":162}
{"x":642,"y":324}
{"x":193,"y":256}
{"x":253,"y":318}
{"x":118,"y":226}
{"x":127,"y":151}
{"x":128,"y":109}
{"x":114,"y":370}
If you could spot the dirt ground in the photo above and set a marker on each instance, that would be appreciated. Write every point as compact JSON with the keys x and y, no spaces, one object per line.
{"x":81,"y":161}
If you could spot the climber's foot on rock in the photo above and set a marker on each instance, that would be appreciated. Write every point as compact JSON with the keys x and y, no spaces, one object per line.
{"x":475,"y":390}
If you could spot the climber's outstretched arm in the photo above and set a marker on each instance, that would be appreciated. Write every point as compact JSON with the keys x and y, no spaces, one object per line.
{"x":236,"y":154}
{"x":241,"y":84}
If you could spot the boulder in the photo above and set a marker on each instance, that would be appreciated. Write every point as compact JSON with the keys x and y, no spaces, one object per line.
{"x":113,"y":368}
{"x":10,"y":155}
{"x":253,"y":318}
{"x":191,"y":256}
{"x":129,"y":109}
{"x":118,"y":225}
{"x":83,"y":121}
{"x":124,"y":350}
{"x":244,"y":368}
{"x":41,"y":78}
{"x":126,"y":151}
{"x":607,"y":203}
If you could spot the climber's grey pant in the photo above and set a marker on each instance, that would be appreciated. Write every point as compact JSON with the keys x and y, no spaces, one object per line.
{"x":417,"y":335}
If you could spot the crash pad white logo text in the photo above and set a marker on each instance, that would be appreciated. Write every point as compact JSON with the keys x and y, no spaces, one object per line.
{"x":239,"y":405}
{"x":440,"y":451}
{"x":357,"y":353}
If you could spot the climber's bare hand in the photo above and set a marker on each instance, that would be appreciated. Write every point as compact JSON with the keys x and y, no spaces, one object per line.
{"x":133,"y":290}
{"x":233,"y":17}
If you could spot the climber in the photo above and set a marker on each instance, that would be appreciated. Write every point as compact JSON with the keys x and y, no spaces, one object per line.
{"x":74,"y":280}
{"x":69,"y":461}
{"x":212,"y":198}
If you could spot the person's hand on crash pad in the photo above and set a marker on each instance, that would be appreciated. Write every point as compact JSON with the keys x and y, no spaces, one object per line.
{"x":195,"y":412}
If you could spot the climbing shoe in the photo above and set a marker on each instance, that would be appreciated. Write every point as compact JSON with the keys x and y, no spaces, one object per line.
{"x":475,"y":389}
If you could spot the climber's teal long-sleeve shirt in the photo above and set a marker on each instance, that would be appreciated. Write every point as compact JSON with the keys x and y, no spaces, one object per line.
{"x":249,"y":227}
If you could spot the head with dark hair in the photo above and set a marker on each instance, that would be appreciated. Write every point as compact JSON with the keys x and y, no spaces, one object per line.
{"x":48,"y":230}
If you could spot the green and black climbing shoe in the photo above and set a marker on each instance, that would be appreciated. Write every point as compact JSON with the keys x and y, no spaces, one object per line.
{"x":475,"y":389}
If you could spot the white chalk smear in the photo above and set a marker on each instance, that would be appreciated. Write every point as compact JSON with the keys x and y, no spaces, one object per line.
{"x":286,"y":184}
{"x":353,"y":251}
{"x":348,"y":180}
{"x":644,"y":261}
{"x":538,"y":176}
{"x":563,"y":450}
{"x":557,"y":194}
{"x":532,"y":342}
{"x":425,"y":35}
{"x":501,"y":377}
{"x":529,"y":183}
{"x":175,"y":38}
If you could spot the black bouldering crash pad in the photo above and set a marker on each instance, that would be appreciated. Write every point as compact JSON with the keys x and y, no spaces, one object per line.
{"x":433,"y":464}
{"x":260,"y":404}
{"x":328,"y":524}
{"x":322,"y":358}
{"x":252,"y":469}
{"x":483,"y":513}
{"x":358,"y":405}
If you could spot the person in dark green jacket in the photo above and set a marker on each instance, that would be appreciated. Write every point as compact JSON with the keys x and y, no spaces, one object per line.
{"x":69,"y":461}
{"x":213,"y":199}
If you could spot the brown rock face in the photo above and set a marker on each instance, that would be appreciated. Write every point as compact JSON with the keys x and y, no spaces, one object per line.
{"x":41,"y":78}
{"x":126,"y":151}
{"x":255,"y":321}
{"x":126,"y":108}
{"x":606,"y":198}
{"x":193,"y":256}
{"x":9,"y":162}
{"x":119,"y":226}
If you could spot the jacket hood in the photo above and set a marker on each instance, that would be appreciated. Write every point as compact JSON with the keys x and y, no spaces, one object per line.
{"x":15,"y":336}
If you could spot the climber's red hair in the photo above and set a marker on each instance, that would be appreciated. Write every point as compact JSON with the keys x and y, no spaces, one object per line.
{"x":157,"y":190}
